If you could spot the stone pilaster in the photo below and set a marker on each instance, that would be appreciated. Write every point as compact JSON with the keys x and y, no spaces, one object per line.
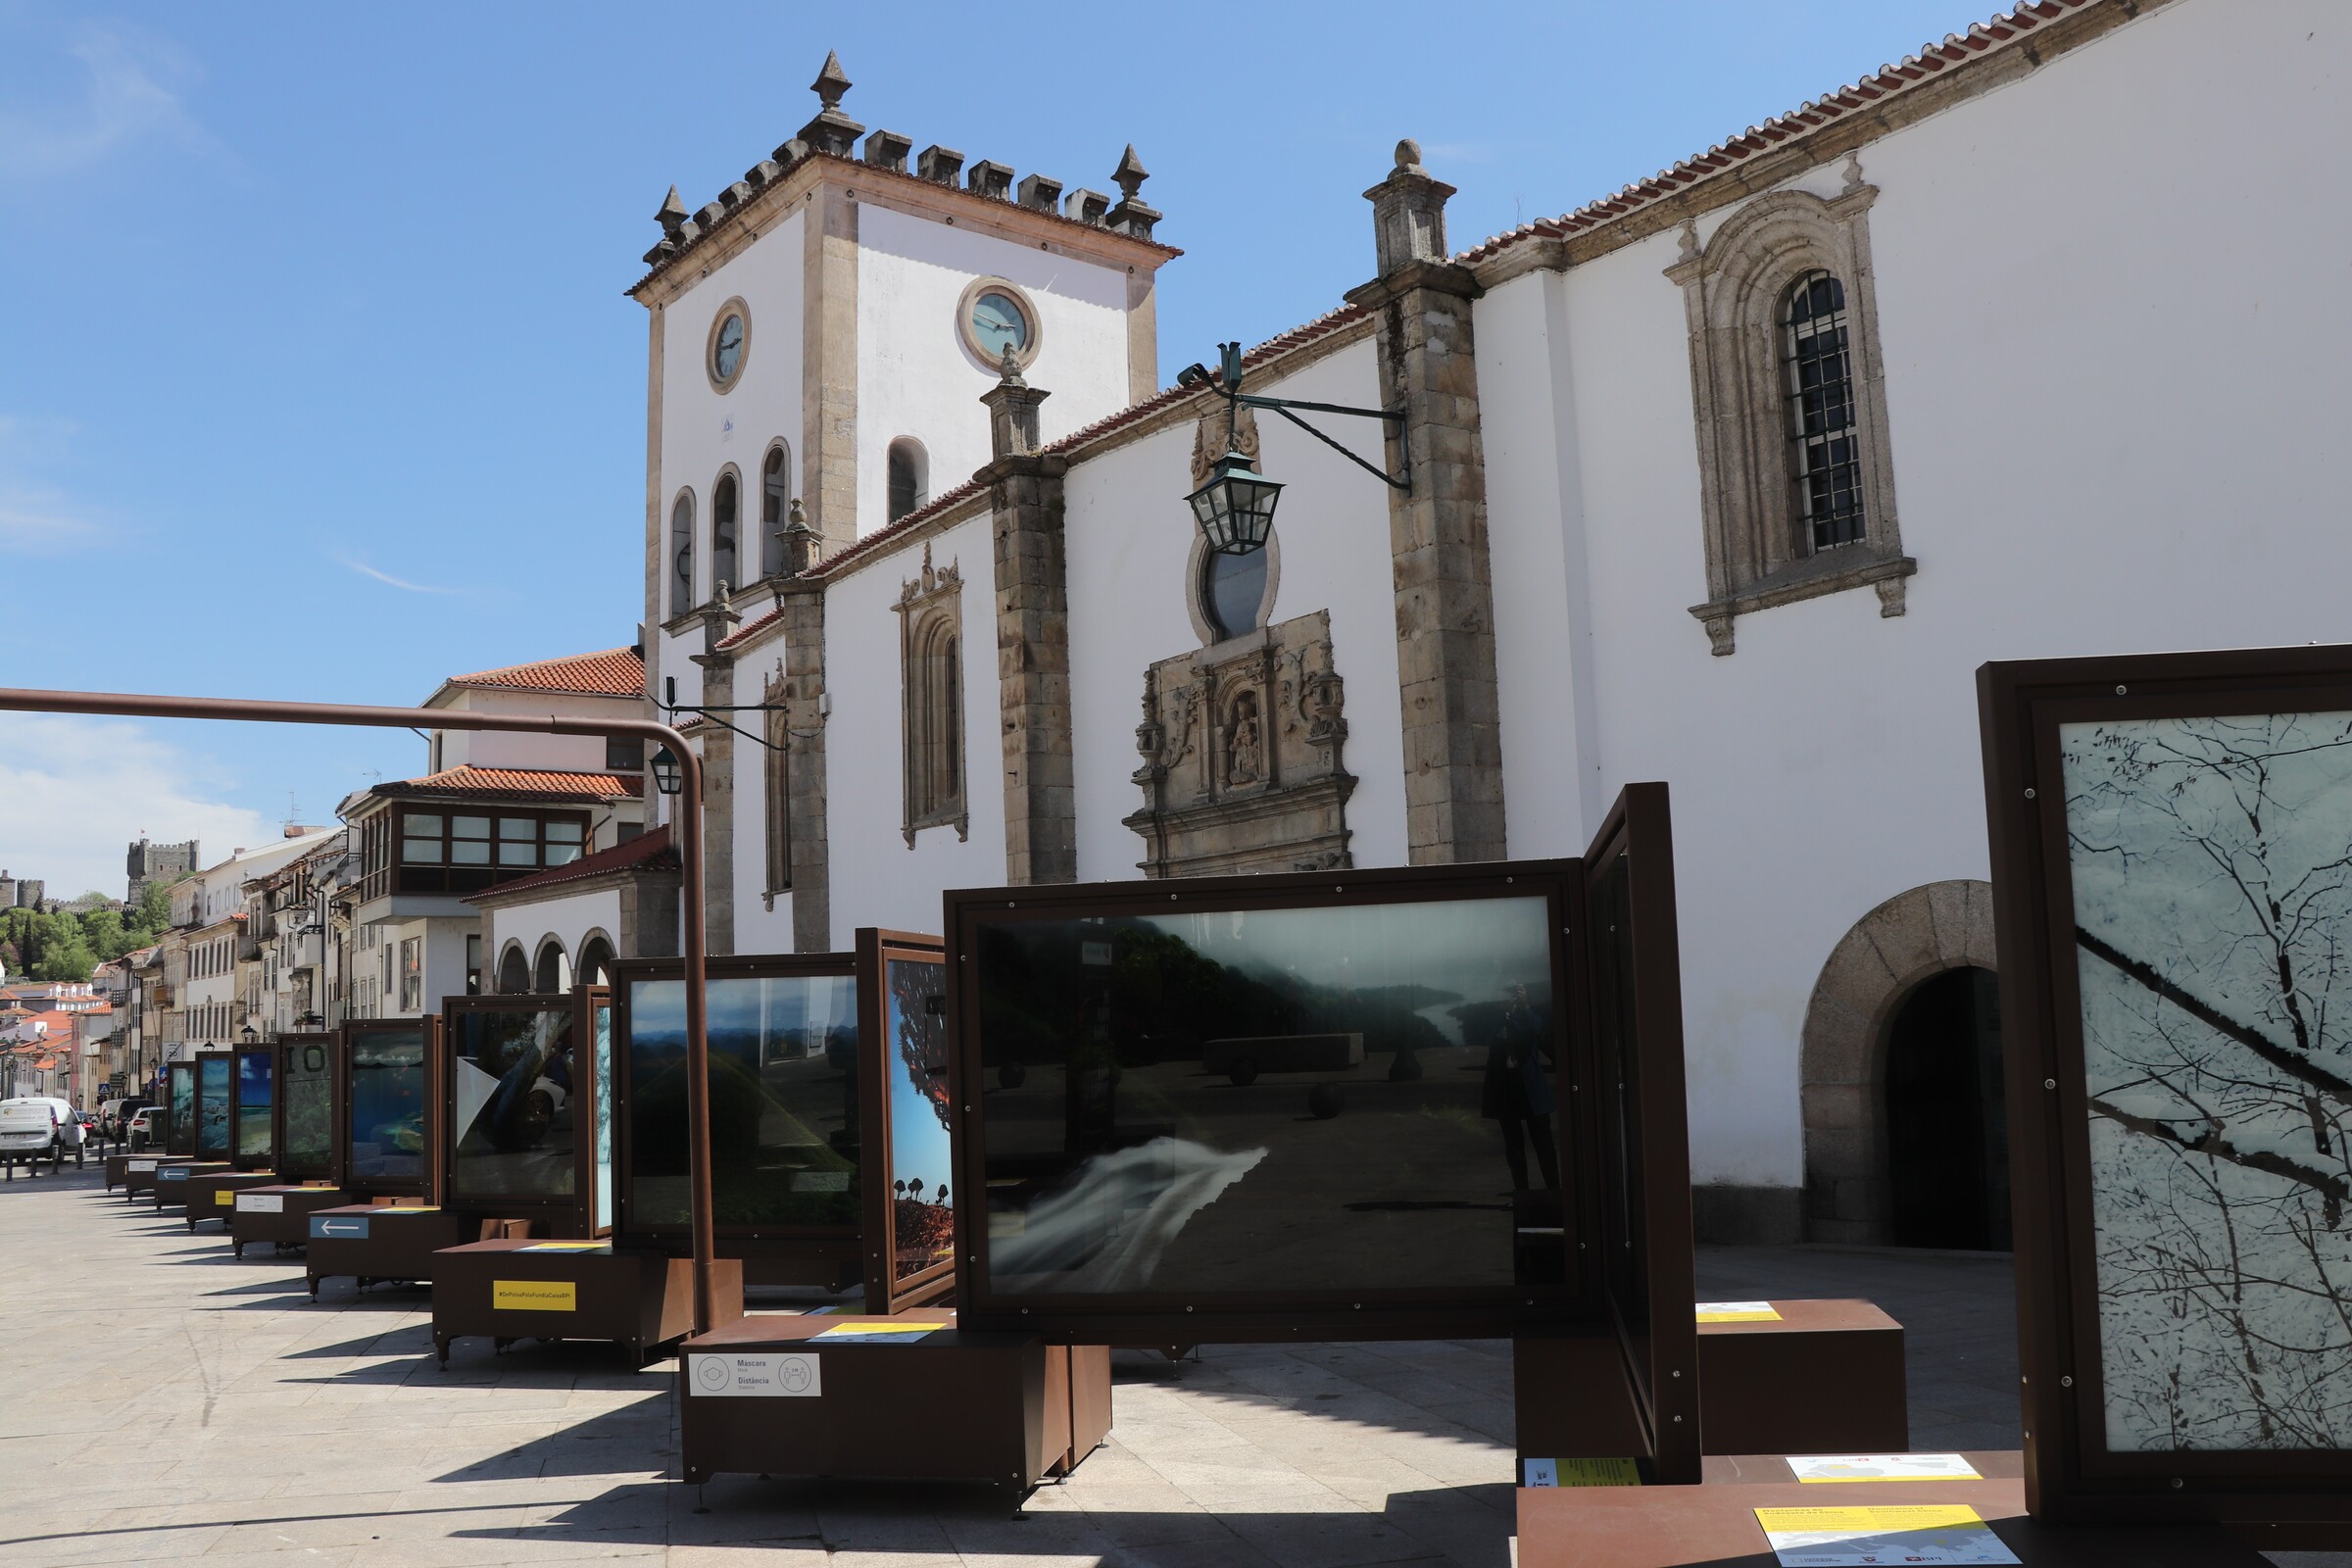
{"x":829,"y":366}
{"x":1438,"y":529}
{"x":719,"y":777}
{"x":803,"y":608}
{"x":1033,"y":638}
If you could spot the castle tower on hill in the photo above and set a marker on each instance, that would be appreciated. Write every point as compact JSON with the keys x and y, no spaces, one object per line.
{"x":821,"y":334}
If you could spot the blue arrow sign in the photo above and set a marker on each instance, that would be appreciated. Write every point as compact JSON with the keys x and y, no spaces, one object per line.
{"x":352,"y":1229}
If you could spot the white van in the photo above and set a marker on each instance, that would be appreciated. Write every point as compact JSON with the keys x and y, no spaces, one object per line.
{"x":37,"y":1128}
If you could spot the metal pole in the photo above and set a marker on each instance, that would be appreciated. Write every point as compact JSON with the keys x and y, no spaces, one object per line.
{"x":688,"y":826}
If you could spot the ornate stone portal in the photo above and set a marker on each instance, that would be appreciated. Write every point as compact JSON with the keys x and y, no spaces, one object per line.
{"x":1241,"y":746}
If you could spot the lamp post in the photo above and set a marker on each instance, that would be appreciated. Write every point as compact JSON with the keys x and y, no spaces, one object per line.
{"x":687,"y":831}
{"x":1235,"y":508}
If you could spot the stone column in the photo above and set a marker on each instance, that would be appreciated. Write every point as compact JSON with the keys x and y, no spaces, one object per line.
{"x":1438,"y":529}
{"x":1033,"y":637}
{"x":718,"y":776}
{"x":803,"y":606}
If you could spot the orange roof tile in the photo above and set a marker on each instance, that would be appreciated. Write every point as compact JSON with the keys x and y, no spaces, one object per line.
{"x":614,"y":673}
{"x":512,"y":784}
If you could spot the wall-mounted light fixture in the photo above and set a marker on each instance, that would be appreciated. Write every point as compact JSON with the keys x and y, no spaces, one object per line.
{"x":1236,"y":506}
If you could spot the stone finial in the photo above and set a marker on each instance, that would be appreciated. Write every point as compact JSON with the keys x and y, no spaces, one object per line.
{"x":831,"y":131}
{"x":1039,"y":192}
{"x":1131,"y":216}
{"x":831,"y":83}
{"x":939,"y":163}
{"x":987,"y":177}
{"x":1086,"y":206}
{"x":887,"y":148}
{"x":719,"y":618}
{"x":803,"y":545}
{"x":672,"y":212}
{"x":1408,"y":213}
{"x":1012,"y":430}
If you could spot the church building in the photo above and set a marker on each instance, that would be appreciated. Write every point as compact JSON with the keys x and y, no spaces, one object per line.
{"x":2032,"y":344}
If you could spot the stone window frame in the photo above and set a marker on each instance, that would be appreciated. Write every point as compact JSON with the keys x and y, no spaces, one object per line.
{"x":776,"y":775}
{"x":726,"y":471}
{"x":685,"y":497}
{"x":783,"y":518}
{"x":1734,"y":291}
{"x":1023,"y":357}
{"x":722,"y":385}
{"x":932,"y":661}
{"x":1196,"y":590}
{"x":920,"y":455}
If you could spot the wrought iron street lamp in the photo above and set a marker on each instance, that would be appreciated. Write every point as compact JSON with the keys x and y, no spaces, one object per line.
{"x":666,"y":776}
{"x":1235,"y":508}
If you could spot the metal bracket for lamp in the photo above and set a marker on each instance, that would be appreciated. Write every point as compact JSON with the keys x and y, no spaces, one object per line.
{"x":673,"y":707}
{"x":1236,"y":506}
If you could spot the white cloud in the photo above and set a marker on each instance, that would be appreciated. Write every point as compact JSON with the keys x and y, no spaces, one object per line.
{"x":76,"y":790}
{"x":127,"y":97}
{"x":37,"y":520}
{"x":390,"y":581}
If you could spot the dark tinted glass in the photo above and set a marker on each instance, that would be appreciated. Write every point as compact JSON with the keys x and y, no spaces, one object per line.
{"x":921,"y":1216}
{"x":387,"y":1105}
{"x":1266,"y":1102}
{"x":512,"y":1084}
{"x":257,"y":1090}
{"x":309,"y":1094}
{"x":212,"y":1107}
{"x":1233,"y":589}
{"x":783,"y":1102}
{"x":181,"y":1138}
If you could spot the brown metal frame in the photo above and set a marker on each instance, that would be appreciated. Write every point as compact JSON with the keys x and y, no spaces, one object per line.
{"x":573,"y":1216}
{"x":686,"y":835}
{"x":175,"y":1134}
{"x":2285,"y":1497}
{"x":427,"y":1185}
{"x":885,"y":1291}
{"x":236,"y":1104}
{"x":287,"y":1045}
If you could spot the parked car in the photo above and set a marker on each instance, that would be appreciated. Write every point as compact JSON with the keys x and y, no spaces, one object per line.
{"x":146,"y":1127}
{"x":35,"y":1128}
{"x":113,"y":1116}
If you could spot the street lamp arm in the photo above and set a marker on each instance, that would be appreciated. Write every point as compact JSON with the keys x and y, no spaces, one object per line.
{"x":1400,"y":482}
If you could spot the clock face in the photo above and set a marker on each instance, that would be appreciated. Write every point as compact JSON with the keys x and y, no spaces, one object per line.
{"x":998,"y":324}
{"x":727,"y":350}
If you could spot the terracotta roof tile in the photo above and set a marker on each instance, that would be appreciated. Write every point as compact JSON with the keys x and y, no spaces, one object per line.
{"x":614,"y":673}
{"x":512,"y":784}
{"x":649,"y":852}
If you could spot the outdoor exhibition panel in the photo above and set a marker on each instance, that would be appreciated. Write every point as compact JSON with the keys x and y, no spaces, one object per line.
{"x":140,"y":1173}
{"x":2173,"y":913}
{"x":1430,"y":1102}
{"x":524,"y":1080}
{"x":570,"y":1289}
{"x":215,"y":1088}
{"x":117,"y":1166}
{"x":388,"y":1240}
{"x":305,"y":1107}
{"x":384,"y":1106}
{"x":280,"y":1216}
{"x":910,"y":1398}
{"x":214,"y":1197}
{"x":253,"y":1108}
{"x":1717,"y":1524}
{"x":172,"y":1176}
{"x":818,"y":1078}
{"x":179,"y":1098}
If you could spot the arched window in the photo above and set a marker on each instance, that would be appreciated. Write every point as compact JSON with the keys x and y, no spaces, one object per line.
{"x":909,"y":476}
{"x":681,"y":556}
{"x":931,"y":691}
{"x":776,"y":507}
{"x":1825,"y":463}
{"x":513,"y":971}
{"x":778,"y":814}
{"x":554,"y":975}
{"x":722,"y":533}
{"x":596,"y":961}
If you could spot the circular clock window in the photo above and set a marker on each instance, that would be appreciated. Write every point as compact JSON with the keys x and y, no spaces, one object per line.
{"x":730,"y":345}
{"x":995,"y":315}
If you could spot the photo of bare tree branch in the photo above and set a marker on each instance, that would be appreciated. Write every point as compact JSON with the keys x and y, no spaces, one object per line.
{"x":2212,"y":867}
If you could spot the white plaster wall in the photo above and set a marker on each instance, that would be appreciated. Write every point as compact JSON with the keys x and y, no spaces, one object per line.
{"x":916,"y":378}
{"x":758,"y":928}
{"x":520,"y":749}
{"x":567,"y":920}
{"x":2112,"y":312}
{"x":876,"y":878}
{"x":1129,"y":534}
{"x":704,"y":430}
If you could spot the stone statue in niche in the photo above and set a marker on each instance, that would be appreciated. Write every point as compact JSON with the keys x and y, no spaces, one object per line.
{"x":1241,"y":764}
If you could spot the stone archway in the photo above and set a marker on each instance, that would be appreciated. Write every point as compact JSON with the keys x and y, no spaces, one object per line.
{"x":1911,"y":936}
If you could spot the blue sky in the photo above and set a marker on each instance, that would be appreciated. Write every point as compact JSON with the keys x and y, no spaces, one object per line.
{"x":318,"y":380}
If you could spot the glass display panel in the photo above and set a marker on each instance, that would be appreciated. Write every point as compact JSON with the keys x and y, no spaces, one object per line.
{"x":387,"y":1105}
{"x":1624,"y":1230}
{"x":511,"y":1086}
{"x":257,"y":1093}
{"x":180,"y":1138}
{"x":600,"y":1020}
{"x":2213,"y":958}
{"x":212,"y":1107}
{"x":784,"y":1107}
{"x":923,"y":1218}
{"x":1267,"y":1101}
{"x":309,"y":1094}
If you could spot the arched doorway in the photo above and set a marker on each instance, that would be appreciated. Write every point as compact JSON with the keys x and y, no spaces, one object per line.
{"x":554,"y":974}
{"x":1948,"y":1125}
{"x":596,"y":961}
{"x":513,"y":971}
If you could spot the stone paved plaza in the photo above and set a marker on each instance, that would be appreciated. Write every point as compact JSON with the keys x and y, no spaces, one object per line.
{"x":165,"y":1401}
